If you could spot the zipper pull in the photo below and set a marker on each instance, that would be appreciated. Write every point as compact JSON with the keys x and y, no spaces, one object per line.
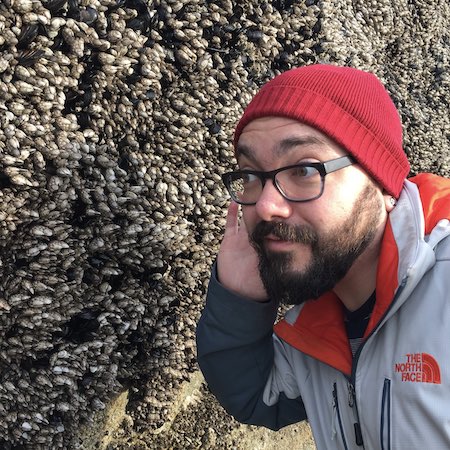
{"x":351,"y":394}
{"x":358,"y":434}
{"x":356,"y":425}
{"x":333,"y":418}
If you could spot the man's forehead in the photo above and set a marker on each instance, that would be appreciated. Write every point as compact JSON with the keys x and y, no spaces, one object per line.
{"x":283,"y":146}
{"x":279,"y":136}
{"x":272,"y":122}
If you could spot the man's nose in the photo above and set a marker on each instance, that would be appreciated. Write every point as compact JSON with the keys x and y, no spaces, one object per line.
{"x":271,"y":204}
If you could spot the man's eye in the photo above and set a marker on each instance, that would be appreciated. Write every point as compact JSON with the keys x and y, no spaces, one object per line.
{"x":249,"y":178}
{"x":304,"y":171}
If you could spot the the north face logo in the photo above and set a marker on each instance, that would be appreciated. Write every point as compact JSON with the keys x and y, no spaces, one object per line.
{"x":419,"y":368}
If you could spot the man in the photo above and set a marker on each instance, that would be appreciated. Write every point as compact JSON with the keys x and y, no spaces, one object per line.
{"x":332,"y":226}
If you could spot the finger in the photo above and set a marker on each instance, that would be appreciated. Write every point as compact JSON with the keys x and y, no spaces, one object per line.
{"x":232,"y":222}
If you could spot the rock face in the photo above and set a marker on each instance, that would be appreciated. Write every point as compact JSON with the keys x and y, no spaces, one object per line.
{"x":116,"y":122}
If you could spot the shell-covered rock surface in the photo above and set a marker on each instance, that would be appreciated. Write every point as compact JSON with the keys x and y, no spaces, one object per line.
{"x":116,"y":120}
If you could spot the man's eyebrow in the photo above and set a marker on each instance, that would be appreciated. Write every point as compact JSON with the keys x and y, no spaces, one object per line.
{"x":289,"y":143}
{"x":283,"y":147}
{"x":243,"y":150}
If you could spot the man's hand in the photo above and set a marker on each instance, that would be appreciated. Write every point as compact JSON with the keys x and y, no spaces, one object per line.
{"x":237,"y":261}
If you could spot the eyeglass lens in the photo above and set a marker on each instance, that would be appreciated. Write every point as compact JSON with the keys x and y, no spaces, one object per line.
{"x":296,"y":183}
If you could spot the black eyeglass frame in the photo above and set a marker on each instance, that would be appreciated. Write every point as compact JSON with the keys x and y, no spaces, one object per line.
{"x":324,"y":168}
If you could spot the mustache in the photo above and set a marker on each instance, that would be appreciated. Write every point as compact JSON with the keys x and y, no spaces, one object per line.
{"x":286,"y":232}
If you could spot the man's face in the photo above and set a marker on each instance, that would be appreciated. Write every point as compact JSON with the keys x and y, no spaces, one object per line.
{"x":305,"y":249}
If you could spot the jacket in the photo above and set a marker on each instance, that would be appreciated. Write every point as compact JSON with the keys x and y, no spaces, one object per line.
{"x":395,"y":392}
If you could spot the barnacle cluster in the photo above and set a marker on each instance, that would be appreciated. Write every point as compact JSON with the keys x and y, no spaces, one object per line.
{"x":116,"y":118}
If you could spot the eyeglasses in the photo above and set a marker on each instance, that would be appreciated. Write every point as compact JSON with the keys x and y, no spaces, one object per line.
{"x":296,"y":183}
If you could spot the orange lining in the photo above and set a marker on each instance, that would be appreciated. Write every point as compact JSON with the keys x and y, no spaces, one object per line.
{"x":387,"y":279}
{"x":319,"y":332}
{"x":435,"y":194}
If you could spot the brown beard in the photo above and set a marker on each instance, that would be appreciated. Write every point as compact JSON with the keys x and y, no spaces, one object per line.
{"x":332,"y":254}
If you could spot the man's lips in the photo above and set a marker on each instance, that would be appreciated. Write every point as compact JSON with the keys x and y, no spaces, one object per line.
{"x":276,"y":243}
{"x":272,"y":237}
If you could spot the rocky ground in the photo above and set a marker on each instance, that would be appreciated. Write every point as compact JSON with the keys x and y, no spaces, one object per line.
{"x":200,"y":423}
{"x":116,"y":122}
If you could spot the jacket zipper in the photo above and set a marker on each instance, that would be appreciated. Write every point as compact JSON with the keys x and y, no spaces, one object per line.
{"x":356,"y":425}
{"x":338,"y":414}
{"x":385,"y":426}
{"x":351,"y":380}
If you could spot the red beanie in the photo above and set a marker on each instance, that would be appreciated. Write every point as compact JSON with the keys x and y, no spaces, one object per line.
{"x":349,"y":105}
